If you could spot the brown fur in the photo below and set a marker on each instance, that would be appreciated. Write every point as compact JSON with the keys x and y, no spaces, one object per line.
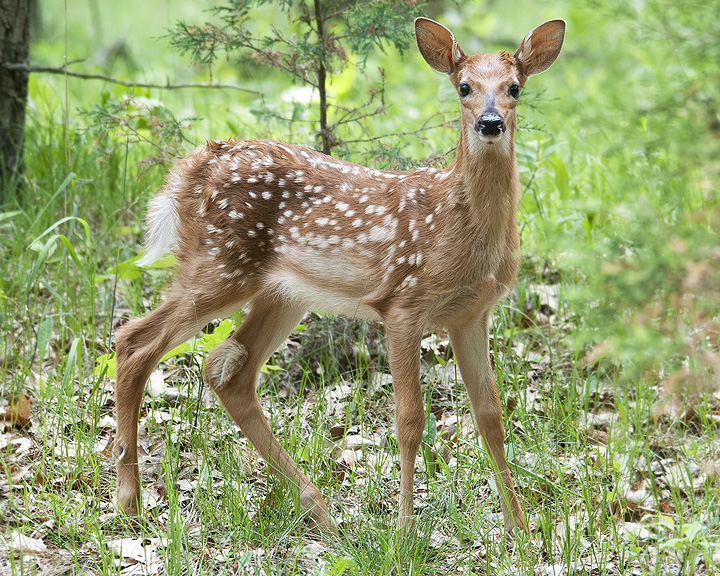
{"x":286,"y":228}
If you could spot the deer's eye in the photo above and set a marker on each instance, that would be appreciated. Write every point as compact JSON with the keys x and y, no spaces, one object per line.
{"x":514,"y":91}
{"x":464,"y":90}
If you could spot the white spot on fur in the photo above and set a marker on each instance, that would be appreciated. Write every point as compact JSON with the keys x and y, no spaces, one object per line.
{"x":382,"y":233}
{"x":409,"y":281}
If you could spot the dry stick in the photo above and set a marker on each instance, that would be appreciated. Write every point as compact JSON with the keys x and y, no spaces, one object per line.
{"x":129,"y":83}
{"x":445,"y":124}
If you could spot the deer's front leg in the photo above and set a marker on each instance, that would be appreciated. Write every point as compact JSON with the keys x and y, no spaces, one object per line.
{"x":404,"y":357}
{"x":471,"y":347}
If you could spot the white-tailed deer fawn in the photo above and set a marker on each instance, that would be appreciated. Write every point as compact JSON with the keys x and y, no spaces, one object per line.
{"x":287,"y":229}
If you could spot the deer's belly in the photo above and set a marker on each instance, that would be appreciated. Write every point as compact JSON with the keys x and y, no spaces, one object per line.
{"x":314,"y":296}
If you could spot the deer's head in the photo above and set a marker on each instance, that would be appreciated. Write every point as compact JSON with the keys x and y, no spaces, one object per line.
{"x":489,"y":85}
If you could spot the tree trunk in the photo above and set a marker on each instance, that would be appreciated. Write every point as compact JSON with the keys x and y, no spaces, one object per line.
{"x":14,"y":49}
{"x":322,"y":80}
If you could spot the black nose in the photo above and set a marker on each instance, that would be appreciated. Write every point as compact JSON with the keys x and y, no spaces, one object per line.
{"x":490,"y":124}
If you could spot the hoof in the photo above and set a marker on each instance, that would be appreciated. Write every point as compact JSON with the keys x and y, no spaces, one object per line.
{"x":128,"y":502}
{"x":314,"y":510}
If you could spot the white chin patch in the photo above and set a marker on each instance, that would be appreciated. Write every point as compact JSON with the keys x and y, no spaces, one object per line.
{"x":479,"y":143}
{"x":491,"y":139}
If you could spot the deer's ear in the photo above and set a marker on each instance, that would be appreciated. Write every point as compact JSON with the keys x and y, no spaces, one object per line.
{"x":540,"y":48}
{"x":437,"y":45}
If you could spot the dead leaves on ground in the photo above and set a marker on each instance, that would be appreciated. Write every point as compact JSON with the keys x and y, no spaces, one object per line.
{"x":641,"y":494}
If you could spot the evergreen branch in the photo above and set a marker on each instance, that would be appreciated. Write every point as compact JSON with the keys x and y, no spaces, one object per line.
{"x":61,"y":70}
{"x":271,"y":60}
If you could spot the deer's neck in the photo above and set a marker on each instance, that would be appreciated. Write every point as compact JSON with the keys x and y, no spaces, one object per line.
{"x":487,"y":182}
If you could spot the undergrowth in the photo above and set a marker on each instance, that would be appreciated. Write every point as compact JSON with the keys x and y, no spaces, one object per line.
{"x":606,"y":352}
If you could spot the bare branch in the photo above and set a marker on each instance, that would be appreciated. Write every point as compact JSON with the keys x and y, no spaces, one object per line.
{"x":130,"y":83}
{"x":445,"y":124}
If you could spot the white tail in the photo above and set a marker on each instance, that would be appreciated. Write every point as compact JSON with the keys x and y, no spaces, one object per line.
{"x":287,"y":229}
{"x":162,"y":226}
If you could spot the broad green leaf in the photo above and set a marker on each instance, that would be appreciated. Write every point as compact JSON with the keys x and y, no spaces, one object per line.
{"x":106,"y":363}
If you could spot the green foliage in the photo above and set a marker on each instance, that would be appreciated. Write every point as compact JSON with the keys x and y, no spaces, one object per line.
{"x":618,"y":153}
{"x":307,"y":37}
{"x":312,"y":43}
{"x":138,"y":119}
{"x":630,"y":204}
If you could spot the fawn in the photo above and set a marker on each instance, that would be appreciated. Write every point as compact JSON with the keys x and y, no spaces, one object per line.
{"x":287,"y":229}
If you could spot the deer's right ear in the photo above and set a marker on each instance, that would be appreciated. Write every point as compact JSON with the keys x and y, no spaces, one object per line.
{"x":437,"y":45}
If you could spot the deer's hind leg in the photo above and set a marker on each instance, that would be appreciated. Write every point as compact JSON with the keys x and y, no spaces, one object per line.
{"x":139,"y":346}
{"x":232,"y":370}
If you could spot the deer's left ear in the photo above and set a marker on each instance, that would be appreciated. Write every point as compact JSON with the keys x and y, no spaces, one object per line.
{"x":540,"y":48}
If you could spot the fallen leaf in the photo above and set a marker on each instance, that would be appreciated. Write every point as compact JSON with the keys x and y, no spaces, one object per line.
{"x":18,"y":413}
{"x":18,"y":541}
{"x":354,"y":441}
{"x":139,"y":550}
{"x":157,"y":387}
{"x":348,"y":458}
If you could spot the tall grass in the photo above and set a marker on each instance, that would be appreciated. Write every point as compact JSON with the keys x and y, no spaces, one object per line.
{"x":616,"y":306}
